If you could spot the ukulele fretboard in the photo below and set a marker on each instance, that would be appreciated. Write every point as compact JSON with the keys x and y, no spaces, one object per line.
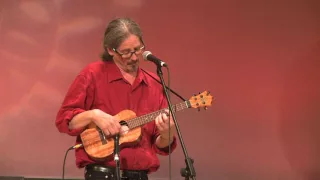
{"x":139,"y":121}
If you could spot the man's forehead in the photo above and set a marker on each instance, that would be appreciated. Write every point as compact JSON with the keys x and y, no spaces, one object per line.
{"x":130,"y":43}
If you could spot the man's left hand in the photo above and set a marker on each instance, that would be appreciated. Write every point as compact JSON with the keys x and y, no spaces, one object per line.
{"x":162,"y":122}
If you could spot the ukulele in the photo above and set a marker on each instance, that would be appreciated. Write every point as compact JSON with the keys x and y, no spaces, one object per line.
{"x":100,"y":147}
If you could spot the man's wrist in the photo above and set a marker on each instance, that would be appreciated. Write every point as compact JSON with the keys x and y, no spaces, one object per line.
{"x":163,"y":141}
{"x":166,"y":138}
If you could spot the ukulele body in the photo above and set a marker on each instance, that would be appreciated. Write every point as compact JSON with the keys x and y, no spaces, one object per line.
{"x":100,"y":147}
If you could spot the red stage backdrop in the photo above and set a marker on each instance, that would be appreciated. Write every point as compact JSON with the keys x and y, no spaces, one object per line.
{"x":259,"y":58}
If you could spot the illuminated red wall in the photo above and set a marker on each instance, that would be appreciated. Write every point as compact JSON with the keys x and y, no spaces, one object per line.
{"x":260,"y":59}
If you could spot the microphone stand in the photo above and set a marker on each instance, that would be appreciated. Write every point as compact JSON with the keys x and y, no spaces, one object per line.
{"x":189,"y":171}
{"x":117,"y":156}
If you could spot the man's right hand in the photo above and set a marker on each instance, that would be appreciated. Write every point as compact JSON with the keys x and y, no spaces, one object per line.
{"x":108,"y":124}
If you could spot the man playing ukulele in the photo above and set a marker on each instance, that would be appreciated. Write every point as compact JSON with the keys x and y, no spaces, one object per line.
{"x":102,"y":90}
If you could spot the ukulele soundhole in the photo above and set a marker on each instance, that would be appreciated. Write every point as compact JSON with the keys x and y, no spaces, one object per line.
{"x":123,"y":123}
{"x":124,"y":127}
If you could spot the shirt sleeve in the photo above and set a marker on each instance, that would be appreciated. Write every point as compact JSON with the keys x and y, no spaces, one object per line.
{"x":77,"y":100}
{"x":163,"y":151}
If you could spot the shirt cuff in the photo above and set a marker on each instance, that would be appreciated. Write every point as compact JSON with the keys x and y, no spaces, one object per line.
{"x":73,"y":132}
{"x":165,"y":151}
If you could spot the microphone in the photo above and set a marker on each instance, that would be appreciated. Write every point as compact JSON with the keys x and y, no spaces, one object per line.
{"x":147,"y":55}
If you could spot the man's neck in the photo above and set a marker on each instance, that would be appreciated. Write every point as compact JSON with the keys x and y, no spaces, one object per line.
{"x":129,"y":76}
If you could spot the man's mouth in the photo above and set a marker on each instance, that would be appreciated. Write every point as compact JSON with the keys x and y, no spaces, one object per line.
{"x":132,"y":64}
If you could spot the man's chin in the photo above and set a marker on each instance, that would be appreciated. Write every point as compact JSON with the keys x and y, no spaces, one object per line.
{"x":132,"y":68}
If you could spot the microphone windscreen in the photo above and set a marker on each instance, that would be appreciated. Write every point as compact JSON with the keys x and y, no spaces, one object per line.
{"x":146,"y":54}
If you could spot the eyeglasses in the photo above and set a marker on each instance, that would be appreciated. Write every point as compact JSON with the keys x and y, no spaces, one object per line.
{"x":128,"y":54}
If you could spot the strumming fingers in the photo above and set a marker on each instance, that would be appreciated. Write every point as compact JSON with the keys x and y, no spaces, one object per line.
{"x":106,"y":132}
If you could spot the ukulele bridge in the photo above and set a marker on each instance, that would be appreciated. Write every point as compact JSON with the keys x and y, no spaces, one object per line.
{"x":102,"y":136}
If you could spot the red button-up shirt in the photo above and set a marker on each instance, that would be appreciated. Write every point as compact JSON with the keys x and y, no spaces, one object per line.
{"x":100,"y":85}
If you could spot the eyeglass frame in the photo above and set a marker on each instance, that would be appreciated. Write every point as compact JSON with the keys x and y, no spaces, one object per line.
{"x":131,"y":52}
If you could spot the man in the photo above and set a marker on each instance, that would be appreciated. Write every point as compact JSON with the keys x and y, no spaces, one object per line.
{"x":103,"y":89}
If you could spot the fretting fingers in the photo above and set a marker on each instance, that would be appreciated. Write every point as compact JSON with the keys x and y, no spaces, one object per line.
{"x":159,"y":122}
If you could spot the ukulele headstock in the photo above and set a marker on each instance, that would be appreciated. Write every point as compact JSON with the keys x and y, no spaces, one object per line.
{"x":203,"y":99}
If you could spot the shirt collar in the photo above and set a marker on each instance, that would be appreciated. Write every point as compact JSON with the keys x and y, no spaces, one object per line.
{"x":141,"y":77}
{"x":114,"y":74}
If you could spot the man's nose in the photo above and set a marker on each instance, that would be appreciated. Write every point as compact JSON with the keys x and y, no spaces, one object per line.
{"x":134,"y":57}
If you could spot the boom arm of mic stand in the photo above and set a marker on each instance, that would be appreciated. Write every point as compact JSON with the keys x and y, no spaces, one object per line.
{"x":189,"y":171}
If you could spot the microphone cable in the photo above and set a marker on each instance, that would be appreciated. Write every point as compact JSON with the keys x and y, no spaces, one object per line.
{"x":65,"y":157}
{"x":175,"y":93}
{"x":168,"y":72}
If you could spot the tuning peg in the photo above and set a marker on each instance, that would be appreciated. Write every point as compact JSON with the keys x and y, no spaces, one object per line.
{"x":205,"y":108}
{"x":199,"y":93}
{"x":195,"y":97}
{"x":198,"y":108}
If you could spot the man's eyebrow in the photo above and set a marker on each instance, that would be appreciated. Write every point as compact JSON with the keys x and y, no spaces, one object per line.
{"x":128,"y":49}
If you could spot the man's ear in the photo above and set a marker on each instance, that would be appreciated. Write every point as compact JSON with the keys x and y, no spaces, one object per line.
{"x":110,"y":51}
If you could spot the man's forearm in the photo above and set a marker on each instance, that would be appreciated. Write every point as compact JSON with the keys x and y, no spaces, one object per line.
{"x":81,"y":120}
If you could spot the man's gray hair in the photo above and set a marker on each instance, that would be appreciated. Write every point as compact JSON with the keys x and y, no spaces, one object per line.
{"x":119,"y":30}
